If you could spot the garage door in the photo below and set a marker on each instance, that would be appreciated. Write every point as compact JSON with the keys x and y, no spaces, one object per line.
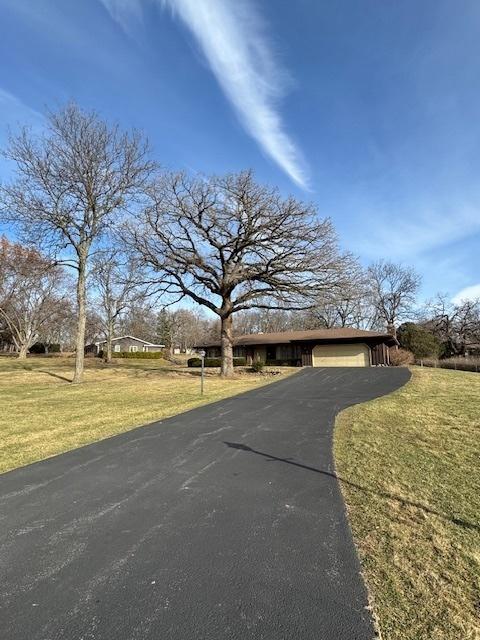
{"x":341,"y":355}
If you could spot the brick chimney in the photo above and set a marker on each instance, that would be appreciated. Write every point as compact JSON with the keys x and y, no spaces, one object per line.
{"x":392,"y":330}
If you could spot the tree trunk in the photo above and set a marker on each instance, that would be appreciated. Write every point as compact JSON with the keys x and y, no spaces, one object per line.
{"x":22,"y":352}
{"x":108,"y":354}
{"x":81,"y":320}
{"x":392,"y":329}
{"x":227,"y":346}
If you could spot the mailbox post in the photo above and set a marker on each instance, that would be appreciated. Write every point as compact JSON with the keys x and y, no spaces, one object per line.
{"x":202,"y":357}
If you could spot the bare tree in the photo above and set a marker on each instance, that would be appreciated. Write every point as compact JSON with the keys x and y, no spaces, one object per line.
{"x":263,"y":321}
{"x":93,"y":326}
{"x":457,"y":326}
{"x":189,"y":327}
{"x":393,"y":292}
{"x":140,"y":320}
{"x":118,"y":282}
{"x":466,"y":321}
{"x":231,"y":244}
{"x":345,"y":306}
{"x":30,"y":293}
{"x":59,"y":328}
{"x":71,"y":183}
{"x":349,"y":306}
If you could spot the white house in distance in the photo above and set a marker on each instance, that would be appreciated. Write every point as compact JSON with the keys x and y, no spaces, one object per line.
{"x":124,"y":344}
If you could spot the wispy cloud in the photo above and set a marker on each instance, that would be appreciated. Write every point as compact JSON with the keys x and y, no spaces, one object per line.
{"x":406,"y":236}
{"x":469,"y":293}
{"x":233,"y":39}
{"x":13,"y":113}
{"x":128,"y":13}
{"x":14,"y":110}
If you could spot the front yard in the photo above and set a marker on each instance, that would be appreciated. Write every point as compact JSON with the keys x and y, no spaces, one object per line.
{"x":409,"y":465}
{"x":42,"y":414}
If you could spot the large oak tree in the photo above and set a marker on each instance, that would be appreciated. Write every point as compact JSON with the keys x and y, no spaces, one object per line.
{"x":231,"y":244}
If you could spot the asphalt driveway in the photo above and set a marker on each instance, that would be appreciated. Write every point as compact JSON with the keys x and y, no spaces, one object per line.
{"x":226,"y":522}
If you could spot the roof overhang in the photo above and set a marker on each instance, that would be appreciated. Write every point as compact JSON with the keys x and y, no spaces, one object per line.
{"x":373,"y":339}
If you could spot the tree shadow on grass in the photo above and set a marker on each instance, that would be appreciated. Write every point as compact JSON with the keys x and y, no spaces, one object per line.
{"x":55,"y":375}
{"x":384,"y":494}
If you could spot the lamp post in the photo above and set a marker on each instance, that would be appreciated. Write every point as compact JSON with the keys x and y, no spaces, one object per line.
{"x":202,"y":357}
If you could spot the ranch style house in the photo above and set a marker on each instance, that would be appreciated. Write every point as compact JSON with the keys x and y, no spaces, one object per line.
{"x":124,"y":344}
{"x":316,"y":348}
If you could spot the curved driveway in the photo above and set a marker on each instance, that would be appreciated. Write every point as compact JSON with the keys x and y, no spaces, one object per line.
{"x":226,"y":522}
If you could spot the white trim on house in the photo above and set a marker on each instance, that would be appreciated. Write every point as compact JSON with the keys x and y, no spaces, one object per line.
{"x":145,"y":342}
{"x":116,"y":348}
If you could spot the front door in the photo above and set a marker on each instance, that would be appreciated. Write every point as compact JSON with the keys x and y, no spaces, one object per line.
{"x":271,"y":352}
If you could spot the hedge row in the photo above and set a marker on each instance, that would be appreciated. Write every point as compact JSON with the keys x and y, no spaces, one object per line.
{"x":140,"y":355}
{"x":289,"y":362}
{"x":214,"y":362}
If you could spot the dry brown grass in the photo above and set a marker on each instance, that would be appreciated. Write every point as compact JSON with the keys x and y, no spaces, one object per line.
{"x":42,"y":414}
{"x":410,"y":469}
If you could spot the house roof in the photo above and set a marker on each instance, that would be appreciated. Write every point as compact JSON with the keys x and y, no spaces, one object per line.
{"x":285,"y":337}
{"x":149,"y":344}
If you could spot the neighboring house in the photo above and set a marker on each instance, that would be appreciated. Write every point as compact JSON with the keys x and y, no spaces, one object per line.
{"x":123,"y":344}
{"x":178,"y":350}
{"x":472,"y":349}
{"x":315,"y":348}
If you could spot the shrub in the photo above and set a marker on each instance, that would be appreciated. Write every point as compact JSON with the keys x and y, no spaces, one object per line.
{"x":140,"y":355}
{"x":38,"y":347}
{"x":278,"y":362}
{"x":44,"y":347}
{"x":401,"y":357}
{"x":257,"y":366}
{"x":420,"y":342}
{"x":214,"y":362}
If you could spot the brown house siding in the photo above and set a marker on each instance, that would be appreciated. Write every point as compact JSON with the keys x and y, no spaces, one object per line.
{"x":379,"y":355}
{"x":296,"y":347}
{"x":295,"y":353}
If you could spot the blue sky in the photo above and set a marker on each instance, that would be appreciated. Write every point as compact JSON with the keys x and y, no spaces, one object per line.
{"x":369,"y":108}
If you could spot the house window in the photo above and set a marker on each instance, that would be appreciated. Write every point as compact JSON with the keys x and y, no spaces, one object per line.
{"x":116,"y":348}
{"x":133,"y":348}
{"x":271,"y":352}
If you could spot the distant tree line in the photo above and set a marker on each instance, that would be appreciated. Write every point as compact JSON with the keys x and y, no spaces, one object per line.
{"x":109,"y":244}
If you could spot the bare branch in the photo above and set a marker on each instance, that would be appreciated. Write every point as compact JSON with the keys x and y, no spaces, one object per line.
{"x":72,"y":184}
{"x":231,"y":244}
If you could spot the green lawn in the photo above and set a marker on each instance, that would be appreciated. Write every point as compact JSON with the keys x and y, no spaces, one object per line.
{"x":410,"y":470}
{"x":42,"y":414}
